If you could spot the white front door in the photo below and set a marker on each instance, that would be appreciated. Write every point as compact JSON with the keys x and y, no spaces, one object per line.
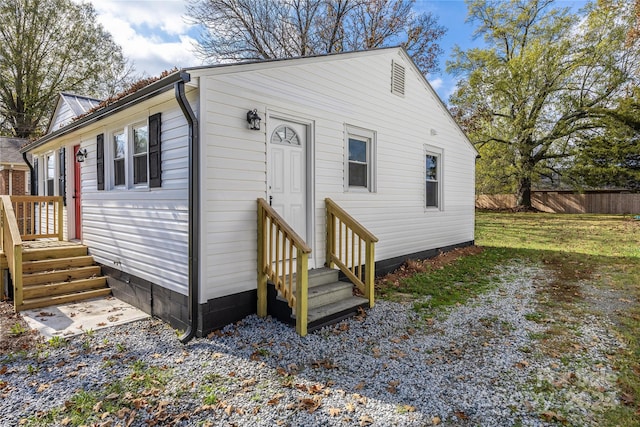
{"x":287,"y":181}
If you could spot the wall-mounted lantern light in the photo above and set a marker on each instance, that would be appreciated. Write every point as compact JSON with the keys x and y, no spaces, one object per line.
{"x":81,"y":155}
{"x":253,"y":119}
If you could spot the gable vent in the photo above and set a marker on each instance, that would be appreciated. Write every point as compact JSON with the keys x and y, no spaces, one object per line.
{"x":397,"y":78}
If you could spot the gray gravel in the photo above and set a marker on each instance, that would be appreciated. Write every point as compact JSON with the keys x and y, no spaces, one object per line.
{"x":474,"y":365}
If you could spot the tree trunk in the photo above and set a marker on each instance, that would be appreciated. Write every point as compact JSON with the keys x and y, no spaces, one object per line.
{"x":523,"y":195}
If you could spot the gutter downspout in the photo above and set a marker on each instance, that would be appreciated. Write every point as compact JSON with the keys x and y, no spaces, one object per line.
{"x":32,"y":176}
{"x":194,"y":206}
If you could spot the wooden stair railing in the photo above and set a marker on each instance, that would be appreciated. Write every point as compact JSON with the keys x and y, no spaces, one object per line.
{"x":39,"y":217}
{"x":345,"y":240}
{"x":26,"y":218}
{"x":12,"y":247}
{"x":278,"y":246}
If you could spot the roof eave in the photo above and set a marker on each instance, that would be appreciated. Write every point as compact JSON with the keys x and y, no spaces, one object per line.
{"x":143,"y":94}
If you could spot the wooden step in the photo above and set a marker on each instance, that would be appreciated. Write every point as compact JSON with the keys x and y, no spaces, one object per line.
{"x":38,"y":254}
{"x":322,"y":276}
{"x":66,"y":275}
{"x":334,"y":312}
{"x":62,"y":299}
{"x":61,"y":288}
{"x":56,"y":264}
{"x":327,"y":293}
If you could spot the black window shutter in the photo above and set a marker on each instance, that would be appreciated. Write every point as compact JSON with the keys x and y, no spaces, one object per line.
{"x":155,"y":151}
{"x":100,"y":161}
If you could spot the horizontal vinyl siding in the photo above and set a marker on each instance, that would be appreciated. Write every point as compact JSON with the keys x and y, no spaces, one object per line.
{"x":331,"y":93}
{"x":143,"y":232}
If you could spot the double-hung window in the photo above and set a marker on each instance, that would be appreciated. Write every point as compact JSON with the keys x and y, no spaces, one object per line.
{"x":131,"y":156}
{"x":360,"y":159}
{"x":119,"y":159}
{"x":140,"y":154}
{"x":433,"y":178}
{"x":50,"y":173}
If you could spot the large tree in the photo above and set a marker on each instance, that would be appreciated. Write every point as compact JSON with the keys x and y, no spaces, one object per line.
{"x":609,"y":156}
{"x":240,"y":30}
{"x":46,"y":47}
{"x":540,"y":85}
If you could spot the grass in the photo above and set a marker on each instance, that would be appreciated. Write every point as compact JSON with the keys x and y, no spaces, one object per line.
{"x":584,"y":252}
{"x":120,"y":398}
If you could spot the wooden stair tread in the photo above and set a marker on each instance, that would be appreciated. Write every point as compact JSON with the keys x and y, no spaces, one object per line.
{"x":47,"y":253}
{"x":73,"y":273}
{"x":60,"y":288}
{"x":329,"y":310}
{"x":56,"y":264}
{"x":61,"y":299}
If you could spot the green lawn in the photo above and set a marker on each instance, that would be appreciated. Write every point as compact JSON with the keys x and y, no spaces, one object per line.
{"x":599,"y":251}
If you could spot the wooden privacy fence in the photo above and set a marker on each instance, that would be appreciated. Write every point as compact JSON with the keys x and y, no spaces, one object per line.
{"x":567,"y":202}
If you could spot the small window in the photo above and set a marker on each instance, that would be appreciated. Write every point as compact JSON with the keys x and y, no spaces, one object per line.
{"x":140,"y":154}
{"x":433,"y":177}
{"x":119,"y":149}
{"x":50,"y":174}
{"x":432,"y":181}
{"x":360,"y":156}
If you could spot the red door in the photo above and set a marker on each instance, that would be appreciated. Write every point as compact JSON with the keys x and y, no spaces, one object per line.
{"x":76,"y":192}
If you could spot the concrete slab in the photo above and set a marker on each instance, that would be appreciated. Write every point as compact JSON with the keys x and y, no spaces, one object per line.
{"x":76,"y":318}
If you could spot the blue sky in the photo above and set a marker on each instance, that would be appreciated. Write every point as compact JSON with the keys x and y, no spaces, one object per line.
{"x":156,"y":36}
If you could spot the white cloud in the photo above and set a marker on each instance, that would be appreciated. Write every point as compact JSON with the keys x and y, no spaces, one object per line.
{"x":152,"y":33}
{"x":436,"y":83}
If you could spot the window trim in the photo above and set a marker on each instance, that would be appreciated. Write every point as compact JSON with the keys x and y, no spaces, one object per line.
{"x":438,"y":153}
{"x":128,"y":129}
{"x":369,"y":137}
{"x":132,"y":129}
{"x":113,"y":158}
{"x":47,"y":157}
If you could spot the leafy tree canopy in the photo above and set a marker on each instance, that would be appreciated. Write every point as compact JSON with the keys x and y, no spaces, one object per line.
{"x":48,"y":47}
{"x":541,"y":85}
{"x":239,"y":30}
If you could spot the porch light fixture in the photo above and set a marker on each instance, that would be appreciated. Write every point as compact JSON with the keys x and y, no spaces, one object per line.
{"x":253,"y":119}
{"x":81,"y":155}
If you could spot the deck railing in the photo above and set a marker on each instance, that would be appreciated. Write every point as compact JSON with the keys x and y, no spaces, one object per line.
{"x":347,"y":240}
{"x":283,"y":258}
{"x":39,"y":216}
{"x":12,"y":247}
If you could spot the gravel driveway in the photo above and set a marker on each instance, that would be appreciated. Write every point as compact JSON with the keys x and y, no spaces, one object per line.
{"x":475,"y":365}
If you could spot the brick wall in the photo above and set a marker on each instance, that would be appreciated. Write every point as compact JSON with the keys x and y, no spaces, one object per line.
{"x":18,"y":184}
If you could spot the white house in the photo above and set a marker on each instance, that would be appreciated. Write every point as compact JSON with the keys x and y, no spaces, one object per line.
{"x":165,"y":197}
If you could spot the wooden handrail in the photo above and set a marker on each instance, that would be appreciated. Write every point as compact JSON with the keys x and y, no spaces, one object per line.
{"x":278,"y":246}
{"x":345,"y":240}
{"x":348,"y":219}
{"x":41,"y":216}
{"x":12,"y":247}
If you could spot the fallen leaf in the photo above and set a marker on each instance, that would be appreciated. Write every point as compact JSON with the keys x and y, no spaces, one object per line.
{"x":436,"y":421}
{"x":360,"y":385}
{"x":365,"y":420}
{"x":627,"y":399}
{"x":349,"y":407}
{"x":334,"y":412}
{"x":102,"y":324}
{"x":112,"y":396}
{"x":43,"y":387}
{"x":275,"y":399}
{"x":409,"y":408}
{"x":461,"y":415}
